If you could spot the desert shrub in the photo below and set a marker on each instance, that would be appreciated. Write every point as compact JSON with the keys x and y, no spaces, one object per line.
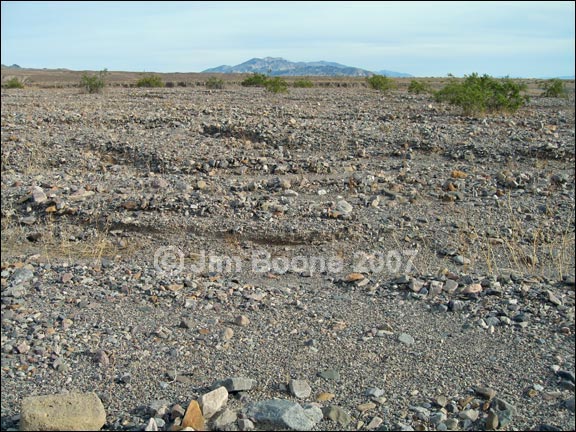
{"x":418,"y":87}
{"x":381,"y":83}
{"x":215,"y":83}
{"x":554,"y":88}
{"x":276,"y":85}
{"x":150,"y":80}
{"x":303,"y":83}
{"x":14,"y":83}
{"x":93,"y":83}
{"x":256,"y":80}
{"x":483,"y":94}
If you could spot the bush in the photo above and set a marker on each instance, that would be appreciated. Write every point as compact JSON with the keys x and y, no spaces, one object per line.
{"x":150,"y":80}
{"x":483,"y":94}
{"x":381,"y":83}
{"x":554,"y":88}
{"x":276,"y":85}
{"x":14,"y":83}
{"x":303,"y":83}
{"x":215,"y":83}
{"x":94,"y":83}
{"x":418,"y":87}
{"x":256,"y":80}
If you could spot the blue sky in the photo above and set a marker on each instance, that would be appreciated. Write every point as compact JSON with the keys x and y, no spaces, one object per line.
{"x":530,"y":39}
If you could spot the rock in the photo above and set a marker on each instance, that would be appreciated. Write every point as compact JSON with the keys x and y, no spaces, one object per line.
{"x":337,"y":414}
{"x":330,"y":375}
{"x":486,"y":392}
{"x":406,"y":339}
{"x":38,"y":195}
{"x":461,"y":260}
{"x":21,"y":275}
{"x":374,"y":423}
{"x":223,"y":419}
{"x":492,"y":420}
{"x":193,"y":417}
{"x":374,"y":392}
{"x":437,"y":418}
{"x":72,"y":411}
{"x":213,"y":401}
{"x":151,"y":426}
{"x":323,"y":397}
{"x":102,"y":358}
{"x":242,"y":321}
{"x":469,"y":414}
{"x":158,"y":408}
{"x":299,"y":388}
{"x":343,"y":207}
{"x":353,"y":277}
{"x":159,"y":183}
{"x":236,"y":384}
{"x":450,"y":286}
{"x":227,"y":333}
{"x":441,"y":401}
{"x":280,"y":413}
{"x":245,"y":424}
{"x":569,"y":404}
{"x":472,"y":289}
{"x":415,"y":284}
{"x":566,"y":375}
{"x":367,"y":406}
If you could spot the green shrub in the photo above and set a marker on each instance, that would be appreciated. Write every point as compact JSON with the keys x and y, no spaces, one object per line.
{"x":276,"y":85}
{"x":381,"y":83}
{"x":93,"y":83}
{"x":150,"y":80}
{"x":303,"y":83}
{"x":14,"y":83}
{"x":256,"y":80}
{"x":483,"y":94}
{"x":554,"y":88}
{"x":215,"y":83}
{"x":418,"y":87}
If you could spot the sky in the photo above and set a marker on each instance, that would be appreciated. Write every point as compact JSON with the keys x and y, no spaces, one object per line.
{"x":517,"y":39}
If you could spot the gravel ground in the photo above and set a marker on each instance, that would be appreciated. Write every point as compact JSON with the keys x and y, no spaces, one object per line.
{"x":385,"y":238}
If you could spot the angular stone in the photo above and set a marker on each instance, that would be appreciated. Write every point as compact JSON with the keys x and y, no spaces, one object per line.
{"x":330,"y":375}
{"x":486,"y":392}
{"x":337,"y":414}
{"x":38,"y":195}
{"x":569,"y":404}
{"x":353,"y":277}
{"x":323,"y":397}
{"x":472,"y":289}
{"x":193,"y":417}
{"x":313,"y":412}
{"x":374,"y":423}
{"x":151,"y":426}
{"x":223,"y":419}
{"x":72,"y":411}
{"x":344,"y":207}
{"x":299,"y":388}
{"x":405,"y":338}
{"x":242,"y":321}
{"x":450,"y":286}
{"x":236,"y":384}
{"x":492,"y":420}
{"x":469,"y":414}
{"x":280,"y":413}
{"x":213,"y":401}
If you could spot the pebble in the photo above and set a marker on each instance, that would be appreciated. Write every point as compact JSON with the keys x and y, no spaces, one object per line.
{"x":406,"y":339}
{"x":374,"y":423}
{"x":299,"y":388}
{"x":242,"y":321}
{"x":193,"y":417}
{"x":337,"y":414}
{"x":236,"y":384}
{"x":330,"y":375}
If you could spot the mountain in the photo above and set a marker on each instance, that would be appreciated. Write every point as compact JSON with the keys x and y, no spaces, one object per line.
{"x":394,"y":74}
{"x":14,"y":66}
{"x":277,"y":66}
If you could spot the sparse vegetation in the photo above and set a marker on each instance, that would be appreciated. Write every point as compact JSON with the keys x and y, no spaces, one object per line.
{"x":94,"y":83}
{"x":150,"y":80}
{"x":483,"y":94}
{"x":276,"y":85}
{"x":14,"y":83}
{"x":381,"y":83}
{"x":418,"y":87}
{"x":303,"y":83}
{"x":215,"y":83}
{"x":256,"y":80}
{"x":554,"y":88}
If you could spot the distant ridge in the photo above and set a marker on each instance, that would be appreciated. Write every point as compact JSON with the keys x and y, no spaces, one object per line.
{"x":277,"y":66}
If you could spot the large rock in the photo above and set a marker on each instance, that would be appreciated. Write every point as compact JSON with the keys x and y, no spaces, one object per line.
{"x":213,"y":401}
{"x":73,"y":412}
{"x":283,"y":414}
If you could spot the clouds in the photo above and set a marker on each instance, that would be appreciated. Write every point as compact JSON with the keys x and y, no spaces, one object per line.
{"x":422,"y":38}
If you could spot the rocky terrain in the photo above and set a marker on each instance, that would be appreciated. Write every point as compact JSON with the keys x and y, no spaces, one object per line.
{"x":373,"y":262}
